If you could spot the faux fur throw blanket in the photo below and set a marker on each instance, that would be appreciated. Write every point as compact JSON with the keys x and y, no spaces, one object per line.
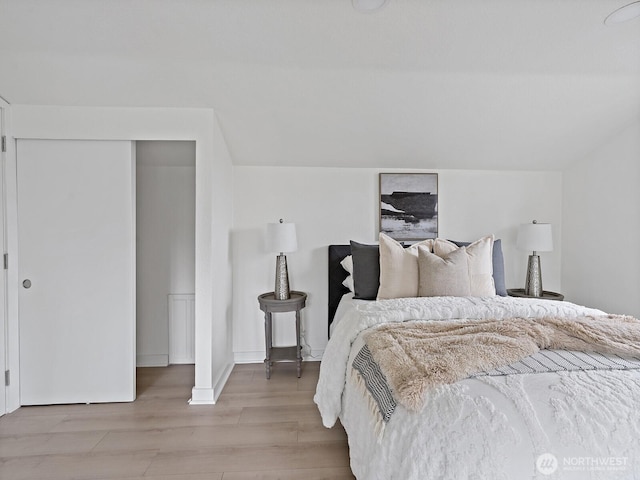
{"x":415,"y":356}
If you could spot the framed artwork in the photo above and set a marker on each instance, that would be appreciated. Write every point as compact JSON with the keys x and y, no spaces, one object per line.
{"x":409,"y":205}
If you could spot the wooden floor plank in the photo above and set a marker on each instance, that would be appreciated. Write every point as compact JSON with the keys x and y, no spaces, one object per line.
{"x":267,"y":414}
{"x":259,"y":429}
{"x":48,"y":443}
{"x":187,"y":438}
{"x":144,"y":421}
{"x":180,"y":476}
{"x":337,"y":473}
{"x":271,"y":399}
{"x":251,"y":458}
{"x":75,"y":467}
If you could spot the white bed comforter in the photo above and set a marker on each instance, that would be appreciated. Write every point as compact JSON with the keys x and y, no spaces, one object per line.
{"x":582,"y":425}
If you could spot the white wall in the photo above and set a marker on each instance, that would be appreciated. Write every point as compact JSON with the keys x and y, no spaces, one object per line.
{"x":601,"y":226}
{"x":166,"y":192}
{"x":335,"y":205}
{"x":221,"y":269}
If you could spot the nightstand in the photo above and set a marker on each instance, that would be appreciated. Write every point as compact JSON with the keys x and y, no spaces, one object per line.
{"x":546,"y":295}
{"x":269,"y":305}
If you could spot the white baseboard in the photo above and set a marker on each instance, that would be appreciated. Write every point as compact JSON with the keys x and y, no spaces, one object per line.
{"x":201,"y":396}
{"x":152,"y":360}
{"x":248,"y":357}
{"x":222,"y":380}
{"x":209,"y":396}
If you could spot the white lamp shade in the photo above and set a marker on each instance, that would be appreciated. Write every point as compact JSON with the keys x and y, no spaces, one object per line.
{"x":535,"y":237}
{"x":281,"y":237}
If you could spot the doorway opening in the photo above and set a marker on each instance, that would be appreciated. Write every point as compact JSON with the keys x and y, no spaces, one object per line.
{"x":165,"y":252}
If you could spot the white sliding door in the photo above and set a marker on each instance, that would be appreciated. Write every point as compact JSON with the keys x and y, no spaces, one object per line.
{"x":76,"y":227}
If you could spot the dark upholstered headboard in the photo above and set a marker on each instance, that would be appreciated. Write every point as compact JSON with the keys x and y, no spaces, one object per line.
{"x":337,"y":274}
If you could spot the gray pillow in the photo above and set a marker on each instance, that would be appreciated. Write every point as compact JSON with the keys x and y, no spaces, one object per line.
{"x":498,"y":266}
{"x":366,"y":270}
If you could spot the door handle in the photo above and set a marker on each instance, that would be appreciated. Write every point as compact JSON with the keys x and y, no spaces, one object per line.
{"x":26,"y":283}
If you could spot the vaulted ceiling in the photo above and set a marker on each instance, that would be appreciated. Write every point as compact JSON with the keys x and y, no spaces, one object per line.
{"x":486,"y":84}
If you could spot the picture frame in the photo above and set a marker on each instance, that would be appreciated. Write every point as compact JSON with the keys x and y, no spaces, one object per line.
{"x":408,"y":205}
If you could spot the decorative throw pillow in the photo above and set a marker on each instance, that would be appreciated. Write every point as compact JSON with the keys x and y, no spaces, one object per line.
{"x":348,"y":282}
{"x":399,"y":268}
{"x":498,"y":266}
{"x":347,"y":264}
{"x":366,"y":270}
{"x":443,"y":276}
{"x":480,"y":257}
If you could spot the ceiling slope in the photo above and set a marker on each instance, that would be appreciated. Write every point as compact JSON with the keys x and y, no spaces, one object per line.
{"x":493,"y":84}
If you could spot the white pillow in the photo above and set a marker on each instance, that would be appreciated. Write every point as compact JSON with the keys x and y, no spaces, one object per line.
{"x":348,"y":282}
{"x":347,"y":264}
{"x":480,"y":263}
{"x":399,"y":268}
{"x":446,"y":276}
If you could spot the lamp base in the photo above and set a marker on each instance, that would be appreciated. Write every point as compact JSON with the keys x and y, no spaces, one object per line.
{"x":533,"y":282}
{"x":281,"y":291}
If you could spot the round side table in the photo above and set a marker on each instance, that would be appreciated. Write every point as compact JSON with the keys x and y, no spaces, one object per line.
{"x":269,"y":304}
{"x":546,"y":295}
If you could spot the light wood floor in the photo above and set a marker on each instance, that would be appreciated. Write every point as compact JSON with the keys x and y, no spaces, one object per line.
{"x":259,"y":429}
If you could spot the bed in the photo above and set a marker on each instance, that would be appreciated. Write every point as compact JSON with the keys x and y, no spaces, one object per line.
{"x":556,"y":413}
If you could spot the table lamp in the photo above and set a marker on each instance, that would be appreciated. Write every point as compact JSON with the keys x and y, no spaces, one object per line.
{"x":281,"y":238}
{"x":534,"y":237}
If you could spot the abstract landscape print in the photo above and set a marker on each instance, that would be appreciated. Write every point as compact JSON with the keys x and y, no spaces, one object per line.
{"x":409,"y":205}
